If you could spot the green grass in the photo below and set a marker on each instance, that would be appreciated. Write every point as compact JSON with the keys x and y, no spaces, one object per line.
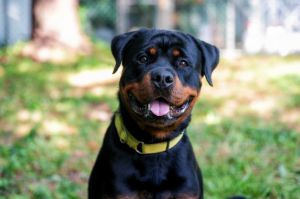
{"x":245,"y":130}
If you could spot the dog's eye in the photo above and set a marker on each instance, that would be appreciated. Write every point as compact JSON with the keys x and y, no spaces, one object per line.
{"x":143,"y":59}
{"x":183,"y":63}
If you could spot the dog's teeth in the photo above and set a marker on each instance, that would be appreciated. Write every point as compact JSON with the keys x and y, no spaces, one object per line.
{"x":169,"y":116}
{"x":147,"y":111}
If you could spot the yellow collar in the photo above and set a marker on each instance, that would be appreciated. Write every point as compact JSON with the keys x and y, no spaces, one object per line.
{"x":139,"y":146}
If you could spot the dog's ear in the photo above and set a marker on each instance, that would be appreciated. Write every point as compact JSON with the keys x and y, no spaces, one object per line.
{"x":118,"y":45}
{"x":209,"y":59}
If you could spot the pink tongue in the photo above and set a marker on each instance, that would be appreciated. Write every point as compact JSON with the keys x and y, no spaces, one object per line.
{"x":159,"y":108}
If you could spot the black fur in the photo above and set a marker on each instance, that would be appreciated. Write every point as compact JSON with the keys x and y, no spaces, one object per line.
{"x":120,"y":171}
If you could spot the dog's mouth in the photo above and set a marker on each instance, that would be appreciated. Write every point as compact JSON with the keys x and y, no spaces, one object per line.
{"x":158,"y":108}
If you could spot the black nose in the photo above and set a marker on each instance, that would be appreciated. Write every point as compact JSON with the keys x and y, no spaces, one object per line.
{"x":162,"y":78}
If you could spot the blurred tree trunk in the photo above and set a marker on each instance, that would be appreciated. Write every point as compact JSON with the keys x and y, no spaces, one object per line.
{"x":56,"y":34}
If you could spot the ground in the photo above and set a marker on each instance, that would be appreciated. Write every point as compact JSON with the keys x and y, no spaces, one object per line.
{"x":245,"y":130}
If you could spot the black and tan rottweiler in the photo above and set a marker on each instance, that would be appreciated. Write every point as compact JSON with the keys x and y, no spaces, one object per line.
{"x":146,"y":152}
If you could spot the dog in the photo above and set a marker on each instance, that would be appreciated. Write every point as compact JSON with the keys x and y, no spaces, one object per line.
{"x":146,"y":152}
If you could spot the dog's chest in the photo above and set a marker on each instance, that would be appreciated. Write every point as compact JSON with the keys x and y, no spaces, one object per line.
{"x":153,"y":170}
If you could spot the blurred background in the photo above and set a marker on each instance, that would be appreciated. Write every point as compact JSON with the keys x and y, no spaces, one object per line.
{"x":57,"y":92}
{"x":235,"y":25}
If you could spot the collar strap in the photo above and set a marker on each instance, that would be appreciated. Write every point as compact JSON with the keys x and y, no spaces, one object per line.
{"x":139,"y":146}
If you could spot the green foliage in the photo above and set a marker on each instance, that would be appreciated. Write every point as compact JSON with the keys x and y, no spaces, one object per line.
{"x":99,"y":12}
{"x":51,"y":130}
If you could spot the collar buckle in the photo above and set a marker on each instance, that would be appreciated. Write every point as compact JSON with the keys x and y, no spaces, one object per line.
{"x":139,"y":147}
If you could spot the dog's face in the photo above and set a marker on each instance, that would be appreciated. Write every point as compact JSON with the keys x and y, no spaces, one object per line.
{"x":161,"y":78}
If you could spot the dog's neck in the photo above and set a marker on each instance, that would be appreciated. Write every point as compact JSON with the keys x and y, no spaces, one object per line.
{"x":132,"y":126}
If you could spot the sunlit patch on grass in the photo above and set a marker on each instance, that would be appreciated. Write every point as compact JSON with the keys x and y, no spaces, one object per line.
{"x":26,"y":66}
{"x":25,"y":115}
{"x":282,"y":70}
{"x":100,"y":112}
{"x":263,"y":106}
{"x":1,"y":71}
{"x":89,"y":78}
{"x":291,"y":119}
{"x":55,"y":127}
{"x":212,"y":118}
{"x":61,"y":142}
{"x":22,"y":129}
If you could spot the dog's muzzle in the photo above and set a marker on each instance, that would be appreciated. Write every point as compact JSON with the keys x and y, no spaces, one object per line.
{"x":158,"y":108}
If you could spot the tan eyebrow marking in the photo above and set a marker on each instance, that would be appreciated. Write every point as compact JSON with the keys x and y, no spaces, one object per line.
{"x":176,"y":52}
{"x":153,"y":51}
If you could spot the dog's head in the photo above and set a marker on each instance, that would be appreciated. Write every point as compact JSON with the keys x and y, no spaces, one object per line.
{"x":161,"y":78}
